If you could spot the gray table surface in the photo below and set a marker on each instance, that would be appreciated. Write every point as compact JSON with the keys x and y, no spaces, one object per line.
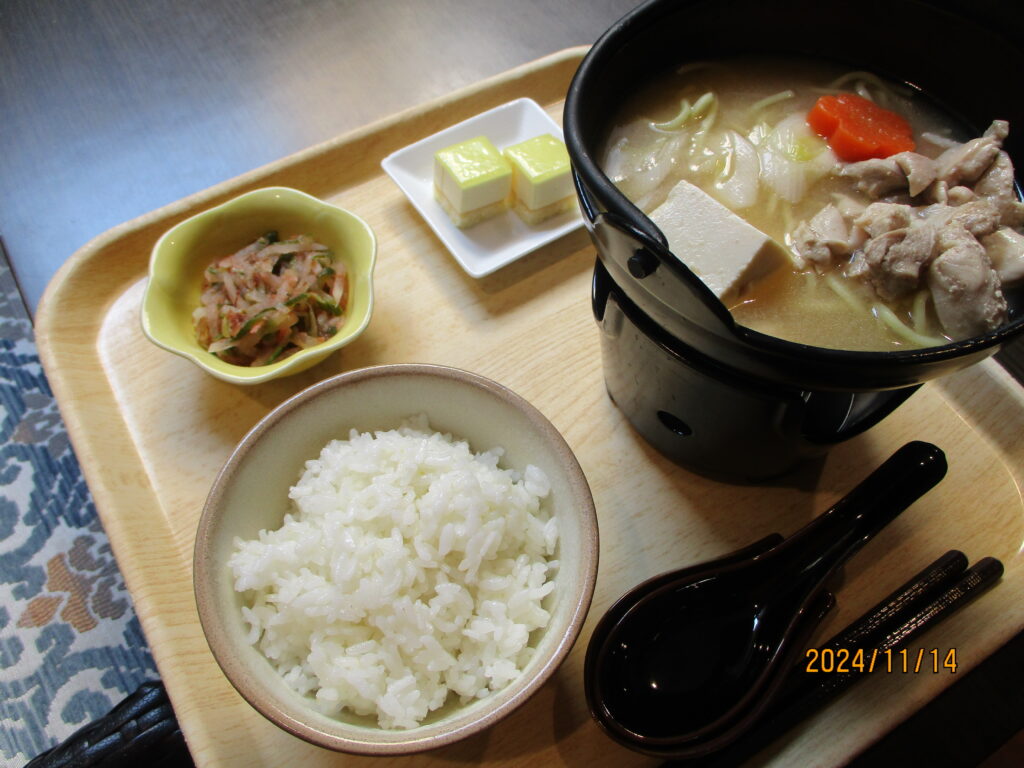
{"x":112,"y":108}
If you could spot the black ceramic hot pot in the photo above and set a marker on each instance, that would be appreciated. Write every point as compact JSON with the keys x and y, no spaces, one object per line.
{"x":712,"y":395}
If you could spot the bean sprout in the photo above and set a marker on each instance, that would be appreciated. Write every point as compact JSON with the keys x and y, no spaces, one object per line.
{"x":677,"y":122}
{"x":901,"y":329}
{"x":700,"y":138}
{"x":886,"y":91}
{"x":688,"y":111}
{"x":919,"y":313}
{"x":769,"y":101}
{"x":843,"y":292}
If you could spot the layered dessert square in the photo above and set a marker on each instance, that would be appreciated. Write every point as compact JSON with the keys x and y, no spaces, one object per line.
{"x":542,"y":182}
{"x":472,"y":181}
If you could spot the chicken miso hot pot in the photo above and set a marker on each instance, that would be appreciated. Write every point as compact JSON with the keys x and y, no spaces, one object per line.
{"x":797,"y":224}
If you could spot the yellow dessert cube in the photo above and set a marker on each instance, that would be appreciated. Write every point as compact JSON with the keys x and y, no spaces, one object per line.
{"x":542,"y":182}
{"x":472,"y":181}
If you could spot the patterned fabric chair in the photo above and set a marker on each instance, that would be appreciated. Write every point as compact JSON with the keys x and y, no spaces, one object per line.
{"x":71,"y":646}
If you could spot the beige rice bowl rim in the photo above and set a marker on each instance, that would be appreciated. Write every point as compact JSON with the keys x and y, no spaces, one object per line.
{"x":251,"y":493}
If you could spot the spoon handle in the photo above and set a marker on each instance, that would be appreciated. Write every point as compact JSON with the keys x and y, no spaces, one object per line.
{"x":759,"y":547}
{"x":818,"y":548}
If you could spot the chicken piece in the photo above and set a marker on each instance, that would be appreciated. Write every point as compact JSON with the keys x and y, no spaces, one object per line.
{"x":996,"y":184}
{"x":959,"y":195}
{"x":979,"y":217}
{"x":964,"y":287}
{"x":877,"y":176}
{"x":848,"y":206}
{"x":937,"y":193}
{"x":1005,"y":249}
{"x":998,"y":130}
{"x":907,"y":172}
{"x":941,"y":194}
{"x":965,"y":163}
{"x":879,"y":218}
{"x":919,"y":170}
{"x":872,"y":264}
{"x":894,"y":261}
{"x":945,"y":222}
{"x":825,"y":236}
{"x":857,"y":267}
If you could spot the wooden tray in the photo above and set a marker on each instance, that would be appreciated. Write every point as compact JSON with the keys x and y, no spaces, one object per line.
{"x":151,"y":430}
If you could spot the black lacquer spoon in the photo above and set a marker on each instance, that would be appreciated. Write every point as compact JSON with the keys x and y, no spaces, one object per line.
{"x":686,"y":660}
{"x":928,"y":598}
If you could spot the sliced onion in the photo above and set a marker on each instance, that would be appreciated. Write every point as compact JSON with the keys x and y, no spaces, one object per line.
{"x":793,"y":158}
{"x":737,"y":187}
{"x":649,"y":171}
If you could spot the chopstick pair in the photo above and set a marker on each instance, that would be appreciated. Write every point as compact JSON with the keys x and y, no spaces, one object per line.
{"x":926,"y":599}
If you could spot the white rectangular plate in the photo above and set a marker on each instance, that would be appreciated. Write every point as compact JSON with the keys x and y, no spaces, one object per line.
{"x":500,"y":240}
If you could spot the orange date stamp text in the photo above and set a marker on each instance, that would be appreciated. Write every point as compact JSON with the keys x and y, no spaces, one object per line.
{"x":861,"y":660}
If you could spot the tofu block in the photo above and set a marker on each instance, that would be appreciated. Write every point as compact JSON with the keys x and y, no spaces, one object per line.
{"x":542,"y":181}
{"x":718,"y":246}
{"x":472,"y":181}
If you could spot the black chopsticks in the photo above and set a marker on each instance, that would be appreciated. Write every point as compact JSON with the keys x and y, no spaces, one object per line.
{"x":879,"y":635}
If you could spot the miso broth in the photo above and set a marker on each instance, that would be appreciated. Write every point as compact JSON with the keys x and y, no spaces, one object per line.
{"x":672,"y":131}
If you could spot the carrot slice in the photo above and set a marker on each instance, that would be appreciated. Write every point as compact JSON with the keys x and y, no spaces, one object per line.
{"x":859,"y":129}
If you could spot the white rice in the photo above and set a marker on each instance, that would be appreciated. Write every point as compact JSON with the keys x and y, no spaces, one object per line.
{"x":411,"y":570}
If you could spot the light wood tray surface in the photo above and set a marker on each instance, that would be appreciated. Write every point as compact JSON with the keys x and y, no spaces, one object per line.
{"x":151,"y":431}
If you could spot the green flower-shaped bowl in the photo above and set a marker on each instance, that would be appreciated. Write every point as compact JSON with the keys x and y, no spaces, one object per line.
{"x":182,"y":254}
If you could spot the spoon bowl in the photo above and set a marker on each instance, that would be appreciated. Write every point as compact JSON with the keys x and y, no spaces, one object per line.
{"x":686,"y":661}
